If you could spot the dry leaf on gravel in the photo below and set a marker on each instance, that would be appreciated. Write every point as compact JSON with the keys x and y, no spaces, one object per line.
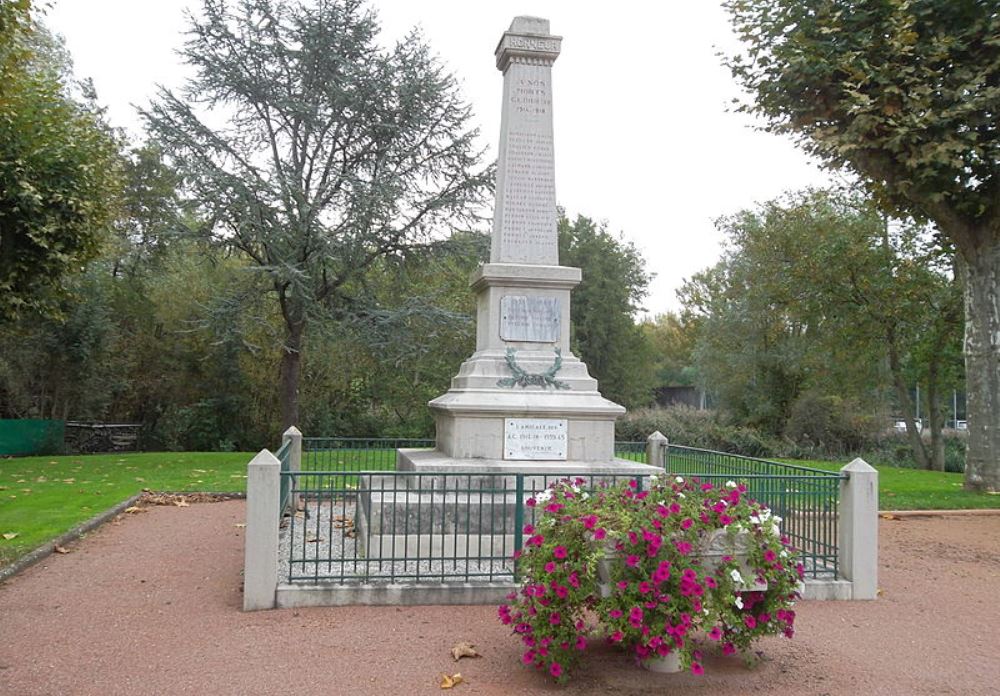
{"x":312,"y":538}
{"x":450,"y":682}
{"x":888,"y":516}
{"x":134,"y":509}
{"x":463,"y":649}
{"x":60,"y":549}
{"x":10,"y":535}
{"x":180,"y":502}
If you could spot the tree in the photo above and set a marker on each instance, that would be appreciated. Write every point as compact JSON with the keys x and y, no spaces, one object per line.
{"x":58,"y":169}
{"x":903,"y":93}
{"x":335,"y":152}
{"x":814,"y":295}
{"x":604,"y":332}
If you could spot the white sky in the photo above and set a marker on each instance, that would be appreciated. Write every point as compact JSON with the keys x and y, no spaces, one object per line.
{"x":643,"y":138}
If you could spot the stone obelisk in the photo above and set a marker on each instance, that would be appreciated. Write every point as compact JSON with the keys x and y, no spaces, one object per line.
{"x":523,"y":401}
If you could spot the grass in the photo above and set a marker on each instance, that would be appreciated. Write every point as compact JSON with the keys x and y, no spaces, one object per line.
{"x":916,"y":489}
{"x":43,"y":497}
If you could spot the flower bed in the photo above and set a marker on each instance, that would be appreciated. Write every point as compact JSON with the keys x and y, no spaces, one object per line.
{"x":662,"y":572}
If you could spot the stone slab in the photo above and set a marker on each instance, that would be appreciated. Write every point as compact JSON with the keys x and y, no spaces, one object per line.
{"x":542,"y":439}
{"x":530,"y":318}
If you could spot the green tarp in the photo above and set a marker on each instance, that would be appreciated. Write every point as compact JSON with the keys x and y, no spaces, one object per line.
{"x":25,"y":436}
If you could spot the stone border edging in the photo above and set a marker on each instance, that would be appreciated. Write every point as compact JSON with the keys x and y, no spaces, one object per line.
{"x":46,"y":549}
{"x":966,"y":512}
{"x":41,"y":552}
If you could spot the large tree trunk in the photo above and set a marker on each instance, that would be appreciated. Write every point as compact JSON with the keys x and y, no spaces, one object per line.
{"x":289,"y":370}
{"x":981,"y":273}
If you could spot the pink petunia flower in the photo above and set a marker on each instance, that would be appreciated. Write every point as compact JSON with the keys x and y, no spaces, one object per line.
{"x":555,"y":669}
{"x":560,"y":552}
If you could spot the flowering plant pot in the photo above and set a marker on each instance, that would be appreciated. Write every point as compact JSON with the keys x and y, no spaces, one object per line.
{"x":661,"y":572}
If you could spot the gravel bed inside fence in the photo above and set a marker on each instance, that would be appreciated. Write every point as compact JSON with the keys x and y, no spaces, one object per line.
{"x":318,"y":544}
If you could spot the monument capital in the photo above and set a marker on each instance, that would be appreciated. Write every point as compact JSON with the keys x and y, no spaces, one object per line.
{"x":527,"y":41}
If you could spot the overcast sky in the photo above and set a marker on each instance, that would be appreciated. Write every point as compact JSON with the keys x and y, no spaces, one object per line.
{"x":644,"y":139}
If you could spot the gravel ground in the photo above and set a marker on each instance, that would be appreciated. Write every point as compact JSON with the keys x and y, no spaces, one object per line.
{"x":150,"y":605}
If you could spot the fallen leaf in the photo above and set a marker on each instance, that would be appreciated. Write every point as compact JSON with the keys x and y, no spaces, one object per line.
{"x":60,"y":549}
{"x":312,"y":538}
{"x":463,"y":649}
{"x":133,"y":509}
{"x":888,"y":516}
{"x":180,"y":502}
{"x":140,"y":480}
{"x":240,"y":525}
{"x":350,"y":534}
{"x":450,"y":682}
{"x":10,"y":535}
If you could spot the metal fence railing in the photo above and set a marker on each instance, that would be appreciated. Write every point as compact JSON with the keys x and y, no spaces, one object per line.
{"x":356,"y":453}
{"x":806,"y":499}
{"x":374,"y":527}
{"x":379,"y":453}
{"x":460,"y":527}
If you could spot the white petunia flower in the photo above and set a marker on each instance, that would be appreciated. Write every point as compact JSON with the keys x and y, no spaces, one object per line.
{"x":730,"y":484}
{"x":739,"y":602}
{"x":679,"y":479}
{"x":543,"y":496}
{"x":737,"y":578}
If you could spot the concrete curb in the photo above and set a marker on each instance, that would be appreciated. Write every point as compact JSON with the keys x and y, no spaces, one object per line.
{"x":43,"y":551}
{"x":984,"y":512}
{"x":46,"y":549}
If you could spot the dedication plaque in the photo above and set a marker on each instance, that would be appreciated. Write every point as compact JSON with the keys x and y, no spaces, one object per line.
{"x":530,"y":318}
{"x":535,"y":438}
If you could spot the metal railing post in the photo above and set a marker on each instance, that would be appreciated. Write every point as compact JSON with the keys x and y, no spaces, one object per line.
{"x":518,"y":520}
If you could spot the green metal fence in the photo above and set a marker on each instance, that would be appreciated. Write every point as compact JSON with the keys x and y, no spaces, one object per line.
{"x":364,"y":522}
{"x":372,"y":527}
{"x":806,"y":499}
{"x":356,"y":453}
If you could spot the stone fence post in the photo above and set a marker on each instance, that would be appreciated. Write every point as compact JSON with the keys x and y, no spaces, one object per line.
{"x":656,"y":450}
{"x":858,"y":529}
{"x":260,"y":557}
{"x":294,"y":460}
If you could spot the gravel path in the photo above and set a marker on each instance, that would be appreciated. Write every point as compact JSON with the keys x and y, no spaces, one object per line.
{"x":151,"y":606}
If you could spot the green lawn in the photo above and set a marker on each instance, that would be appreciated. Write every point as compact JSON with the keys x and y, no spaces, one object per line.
{"x":915,"y":489}
{"x":43,"y":497}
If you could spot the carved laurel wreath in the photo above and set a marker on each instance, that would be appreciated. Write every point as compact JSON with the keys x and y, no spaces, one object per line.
{"x":522,"y":378}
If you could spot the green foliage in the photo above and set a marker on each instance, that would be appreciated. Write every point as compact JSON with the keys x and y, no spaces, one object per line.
{"x":58,"y":170}
{"x":904,"y":94}
{"x":672,"y":341}
{"x":816,"y":293}
{"x":604,"y":334}
{"x":829,"y":424}
{"x":693,"y":428}
{"x":335,"y":152}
